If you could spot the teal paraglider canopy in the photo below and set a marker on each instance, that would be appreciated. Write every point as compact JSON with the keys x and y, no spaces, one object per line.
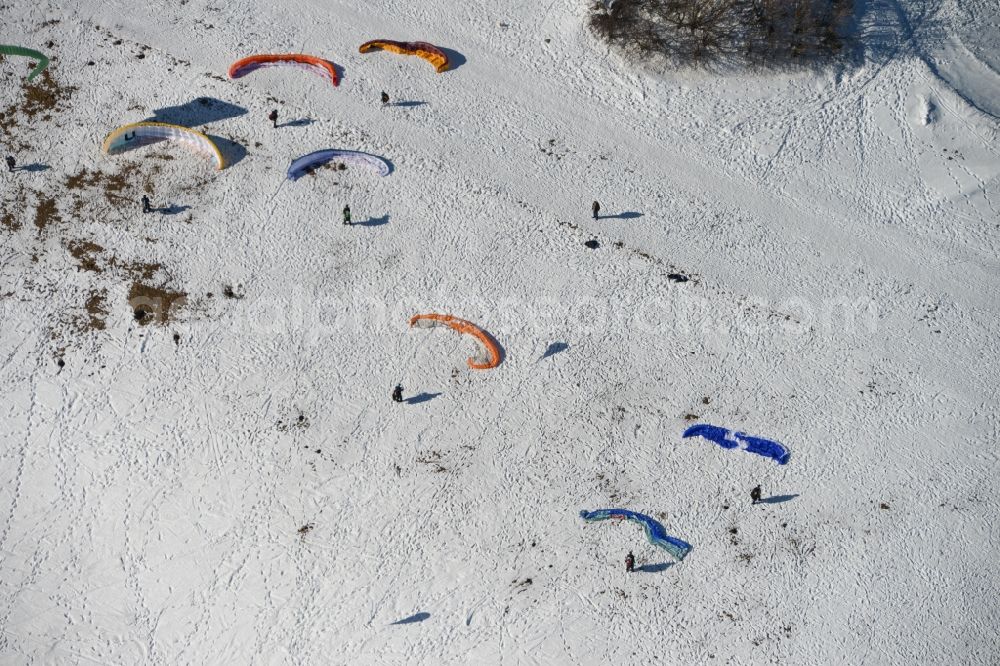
{"x":43,"y":61}
{"x":655,"y":532}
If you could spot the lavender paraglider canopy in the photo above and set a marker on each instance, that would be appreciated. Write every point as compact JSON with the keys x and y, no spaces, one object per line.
{"x":307,"y":163}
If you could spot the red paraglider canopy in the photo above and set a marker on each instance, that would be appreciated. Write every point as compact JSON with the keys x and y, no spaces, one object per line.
{"x":324,"y":68}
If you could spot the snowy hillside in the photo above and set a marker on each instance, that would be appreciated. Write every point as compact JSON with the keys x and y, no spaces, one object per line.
{"x":222,"y":477}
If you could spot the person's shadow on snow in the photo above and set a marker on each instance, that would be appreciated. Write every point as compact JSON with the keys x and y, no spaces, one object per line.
{"x":778,"y":499}
{"x":627,"y":215}
{"x":416,"y":617}
{"x":553,"y":349}
{"x":374,"y":221}
{"x":172,"y":209}
{"x":421,"y":397}
{"x":654,"y":568}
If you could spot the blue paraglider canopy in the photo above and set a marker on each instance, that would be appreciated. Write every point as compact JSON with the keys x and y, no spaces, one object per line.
{"x":729,"y":439}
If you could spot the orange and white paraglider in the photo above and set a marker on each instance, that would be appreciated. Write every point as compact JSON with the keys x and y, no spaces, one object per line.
{"x":493,"y":355}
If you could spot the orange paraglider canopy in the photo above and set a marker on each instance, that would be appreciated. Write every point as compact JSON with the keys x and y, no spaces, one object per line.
{"x":428,"y":52}
{"x":462,"y":326}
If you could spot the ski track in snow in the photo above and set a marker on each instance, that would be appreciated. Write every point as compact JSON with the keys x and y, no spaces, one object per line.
{"x":251,"y":494}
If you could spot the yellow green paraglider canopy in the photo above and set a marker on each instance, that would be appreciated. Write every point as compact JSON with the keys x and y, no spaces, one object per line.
{"x":135,"y":135}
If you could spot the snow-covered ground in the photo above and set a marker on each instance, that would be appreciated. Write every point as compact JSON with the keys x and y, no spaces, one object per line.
{"x":233,"y":485}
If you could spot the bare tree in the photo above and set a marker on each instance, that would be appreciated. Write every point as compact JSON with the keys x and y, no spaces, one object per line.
{"x":773,"y":33}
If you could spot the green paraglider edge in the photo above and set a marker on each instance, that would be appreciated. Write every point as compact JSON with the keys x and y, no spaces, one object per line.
{"x":43,"y":61}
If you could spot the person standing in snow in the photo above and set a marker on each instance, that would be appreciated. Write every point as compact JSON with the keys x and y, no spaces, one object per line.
{"x":397,"y":393}
{"x":629,"y":562}
{"x":10,"y":163}
{"x":146,"y":207}
{"x":273,"y":117}
{"x":385,"y":98}
{"x":597,"y":209}
{"x":347,"y":214}
{"x":755,"y":494}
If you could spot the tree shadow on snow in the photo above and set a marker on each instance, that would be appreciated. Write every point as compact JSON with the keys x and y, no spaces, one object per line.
{"x":778,"y":499}
{"x":408,"y":104}
{"x":232,"y":152}
{"x":32,"y":168}
{"x":421,"y":397}
{"x":553,"y":349}
{"x":199,"y":111}
{"x":374,"y":221}
{"x":416,"y":617}
{"x":654,"y":568}
{"x":627,"y":215}
{"x":455,"y":59}
{"x":883,"y":32}
{"x":298,"y":122}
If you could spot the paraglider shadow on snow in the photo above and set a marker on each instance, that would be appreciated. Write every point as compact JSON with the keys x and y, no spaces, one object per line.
{"x":627,"y":215}
{"x":416,"y":617}
{"x":199,"y":111}
{"x":455,"y":59}
{"x":374,"y":221}
{"x":408,"y":104}
{"x":421,"y":397}
{"x":553,"y":349}
{"x":339,"y":69}
{"x":233,"y":152}
{"x":33,"y":167}
{"x":778,"y":499}
{"x":298,"y":122}
{"x":172,"y":209}
{"x":654,"y":568}
{"x":500,"y":350}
